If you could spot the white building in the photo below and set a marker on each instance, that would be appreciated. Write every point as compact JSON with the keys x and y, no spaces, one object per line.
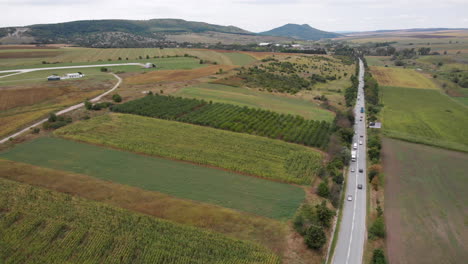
{"x":264,"y":44}
{"x":149,"y":65}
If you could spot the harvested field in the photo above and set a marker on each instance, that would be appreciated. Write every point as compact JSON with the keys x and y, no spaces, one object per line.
{"x":174,"y":75}
{"x":267,"y":232}
{"x":42,"y":226}
{"x":184,"y":180}
{"x":425,"y":203}
{"x":408,"y":78}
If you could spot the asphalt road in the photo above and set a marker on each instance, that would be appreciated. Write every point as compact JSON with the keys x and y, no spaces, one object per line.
{"x":350,"y":246}
{"x":66,"y":110}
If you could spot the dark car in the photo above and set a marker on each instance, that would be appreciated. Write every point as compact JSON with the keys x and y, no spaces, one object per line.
{"x":359,"y":186}
{"x":361,"y":170}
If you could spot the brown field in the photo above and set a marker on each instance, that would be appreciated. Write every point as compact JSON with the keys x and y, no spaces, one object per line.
{"x":23,"y":104}
{"x":29,"y":54}
{"x":175,"y":75}
{"x":6,"y":47}
{"x":425,"y":203}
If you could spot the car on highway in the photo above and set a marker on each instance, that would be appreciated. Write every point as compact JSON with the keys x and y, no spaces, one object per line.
{"x":361,"y":170}
{"x":362,"y":136}
{"x":359,"y":186}
{"x":355,"y":145}
{"x":352,"y":169}
{"x":350,"y":198}
{"x":360,"y":142}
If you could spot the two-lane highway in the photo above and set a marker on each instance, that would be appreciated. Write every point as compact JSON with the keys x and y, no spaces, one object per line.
{"x":352,"y":232}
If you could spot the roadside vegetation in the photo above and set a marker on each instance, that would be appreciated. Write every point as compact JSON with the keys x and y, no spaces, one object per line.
{"x":60,"y":227}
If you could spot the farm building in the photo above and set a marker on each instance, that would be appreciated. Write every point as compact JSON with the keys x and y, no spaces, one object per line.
{"x":264,"y":44}
{"x":53,"y":78}
{"x":73,"y":75}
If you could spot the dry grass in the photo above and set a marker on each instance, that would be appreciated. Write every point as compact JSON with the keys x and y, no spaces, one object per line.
{"x":24,"y":104}
{"x":174,"y":75}
{"x":402,"y":78}
{"x":28,"y":54}
{"x":268,"y":232}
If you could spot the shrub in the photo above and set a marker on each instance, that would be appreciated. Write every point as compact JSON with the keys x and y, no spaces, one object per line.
{"x":52,"y":118}
{"x":315,"y":237}
{"x":323,"y":189}
{"x":104,"y":69}
{"x":88,"y":105}
{"x":324,"y":214}
{"x":378,"y":257}
{"x":377,"y":229}
{"x":36,"y":130}
{"x":117,"y":98}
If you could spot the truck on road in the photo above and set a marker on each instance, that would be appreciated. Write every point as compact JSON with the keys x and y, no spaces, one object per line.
{"x":353,"y":155}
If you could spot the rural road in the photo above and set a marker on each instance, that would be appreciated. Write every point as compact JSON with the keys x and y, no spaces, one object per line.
{"x":66,"y":110}
{"x":352,"y":233}
{"x":19,"y":71}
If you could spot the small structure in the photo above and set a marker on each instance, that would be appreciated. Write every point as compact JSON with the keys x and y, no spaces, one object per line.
{"x":375,"y":125}
{"x":53,"y":78}
{"x":149,"y":65}
{"x":264,"y":44}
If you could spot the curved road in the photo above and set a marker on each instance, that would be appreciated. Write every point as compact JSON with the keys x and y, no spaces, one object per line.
{"x":352,"y":233}
{"x":66,"y":110}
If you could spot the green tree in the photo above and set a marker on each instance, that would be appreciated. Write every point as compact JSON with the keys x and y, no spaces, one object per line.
{"x":315,"y":237}
{"x":324,"y":214}
{"x":323,"y":189}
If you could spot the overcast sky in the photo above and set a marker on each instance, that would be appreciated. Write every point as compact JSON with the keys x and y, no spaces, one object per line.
{"x":252,"y":15}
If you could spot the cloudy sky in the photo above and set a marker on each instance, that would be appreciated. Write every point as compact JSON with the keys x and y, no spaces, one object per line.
{"x":253,"y":15}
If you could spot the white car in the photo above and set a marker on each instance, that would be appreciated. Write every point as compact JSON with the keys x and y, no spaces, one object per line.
{"x":350,"y":198}
{"x":352,"y":169}
{"x":360,"y":142}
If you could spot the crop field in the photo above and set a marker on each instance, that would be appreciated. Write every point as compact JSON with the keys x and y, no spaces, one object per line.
{"x":155,"y":77}
{"x":262,"y":230}
{"x":256,"y":99}
{"x":402,"y":78}
{"x":72,"y":55}
{"x":41,"y":226}
{"x":231,"y":117}
{"x":21,"y":104}
{"x":425,"y":203}
{"x":203,"y":145}
{"x":183,"y":180}
{"x":424,"y":116}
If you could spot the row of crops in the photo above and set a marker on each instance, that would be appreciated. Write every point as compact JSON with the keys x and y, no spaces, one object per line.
{"x":40,"y":226}
{"x":230,"y":117}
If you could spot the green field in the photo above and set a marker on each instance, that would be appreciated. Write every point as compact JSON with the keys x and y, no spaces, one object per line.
{"x":254,"y":98}
{"x":234,"y":151}
{"x":424,"y":116}
{"x":239,"y":58}
{"x":243,"y":193}
{"x":425,"y":203}
{"x":41,"y":226}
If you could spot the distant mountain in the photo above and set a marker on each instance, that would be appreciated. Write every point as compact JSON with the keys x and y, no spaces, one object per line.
{"x":110,"y":32}
{"x":304,"y":32}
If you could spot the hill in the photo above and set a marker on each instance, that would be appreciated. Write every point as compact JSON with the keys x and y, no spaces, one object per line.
{"x":111,"y":33}
{"x":304,"y":32}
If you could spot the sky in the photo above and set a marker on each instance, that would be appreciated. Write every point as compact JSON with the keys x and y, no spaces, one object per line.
{"x":252,"y":15}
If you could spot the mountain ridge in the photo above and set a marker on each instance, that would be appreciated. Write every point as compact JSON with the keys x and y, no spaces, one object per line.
{"x":302,"y":32}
